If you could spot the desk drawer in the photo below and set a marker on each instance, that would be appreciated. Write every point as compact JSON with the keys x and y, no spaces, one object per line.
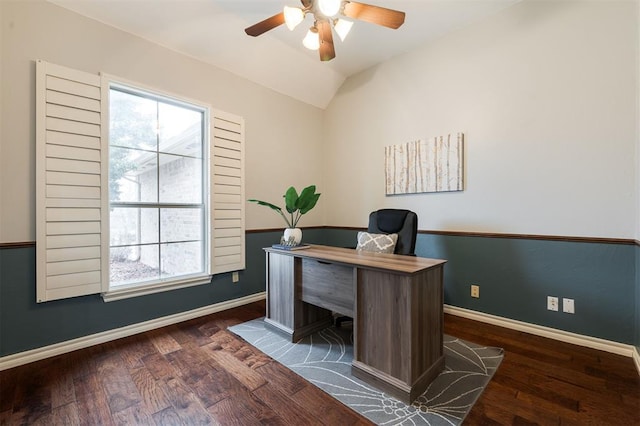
{"x":328,"y":285}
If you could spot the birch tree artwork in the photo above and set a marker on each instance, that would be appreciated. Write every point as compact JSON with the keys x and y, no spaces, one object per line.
{"x":434,"y":165}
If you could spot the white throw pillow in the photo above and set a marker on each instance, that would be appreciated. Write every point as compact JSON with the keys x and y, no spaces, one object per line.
{"x":378,"y":243}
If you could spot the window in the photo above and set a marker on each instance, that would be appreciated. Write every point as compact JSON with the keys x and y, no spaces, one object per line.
{"x":136,"y":191}
{"x":157,"y":188}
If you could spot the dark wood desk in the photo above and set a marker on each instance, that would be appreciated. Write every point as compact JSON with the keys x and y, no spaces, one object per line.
{"x":396,"y":303}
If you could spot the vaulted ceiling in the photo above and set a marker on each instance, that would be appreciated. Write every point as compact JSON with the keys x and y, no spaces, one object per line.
{"x":213,"y":31}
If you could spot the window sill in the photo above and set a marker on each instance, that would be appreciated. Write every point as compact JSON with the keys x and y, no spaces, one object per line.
{"x":125,"y":292}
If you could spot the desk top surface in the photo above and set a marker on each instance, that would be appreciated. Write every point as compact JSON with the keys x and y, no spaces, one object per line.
{"x":346,"y":256}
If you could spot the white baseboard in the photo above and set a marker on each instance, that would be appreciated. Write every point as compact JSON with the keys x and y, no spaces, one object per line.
{"x":636,"y":358}
{"x":26,"y":357}
{"x":551,"y":333}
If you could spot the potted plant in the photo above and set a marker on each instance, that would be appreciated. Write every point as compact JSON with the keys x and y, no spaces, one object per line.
{"x":296,"y":205}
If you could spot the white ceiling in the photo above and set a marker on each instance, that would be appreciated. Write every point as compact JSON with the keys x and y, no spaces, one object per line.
{"x":213,"y":31}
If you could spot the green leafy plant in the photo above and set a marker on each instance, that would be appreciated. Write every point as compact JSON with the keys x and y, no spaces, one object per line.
{"x":296,"y":205}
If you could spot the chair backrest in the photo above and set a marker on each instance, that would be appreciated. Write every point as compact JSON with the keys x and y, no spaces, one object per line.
{"x":396,"y":221}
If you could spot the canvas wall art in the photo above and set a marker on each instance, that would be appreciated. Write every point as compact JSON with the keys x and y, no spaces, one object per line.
{"x":433,"y":165}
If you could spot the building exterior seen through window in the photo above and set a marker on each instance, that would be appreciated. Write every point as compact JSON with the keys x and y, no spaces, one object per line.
{"x":157,"y":187}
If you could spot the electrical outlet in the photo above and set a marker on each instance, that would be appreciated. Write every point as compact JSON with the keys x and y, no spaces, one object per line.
{"x":568,"y":306}
{"x":552,"y":303}
{"x":235,"y":277}
{"x":475,"y":291}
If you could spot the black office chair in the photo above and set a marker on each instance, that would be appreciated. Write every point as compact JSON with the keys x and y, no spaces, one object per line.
{"x":393,"y":221}
{"x":396,"y":221}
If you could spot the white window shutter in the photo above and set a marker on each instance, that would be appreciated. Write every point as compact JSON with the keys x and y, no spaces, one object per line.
{"x":69,"y":188}
{"x":227,"y":153}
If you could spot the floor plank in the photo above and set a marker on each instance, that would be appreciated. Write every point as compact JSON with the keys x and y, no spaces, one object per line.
{"x":153,"y":396}
{"x":197,"y":372}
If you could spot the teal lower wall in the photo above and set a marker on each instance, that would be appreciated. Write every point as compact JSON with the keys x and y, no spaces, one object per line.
{"x":25,"y":324}
{"x":515,"y":277}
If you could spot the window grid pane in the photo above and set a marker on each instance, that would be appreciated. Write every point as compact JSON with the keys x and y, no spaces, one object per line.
{"x":134,"y":264}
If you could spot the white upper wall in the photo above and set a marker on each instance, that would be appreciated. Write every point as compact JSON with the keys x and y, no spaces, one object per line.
{"x":2,"y":89}
{"x":545,"y":93}
{"x":541,"y":91}
{"x":638,"y":131}
{"x":283,"y":136}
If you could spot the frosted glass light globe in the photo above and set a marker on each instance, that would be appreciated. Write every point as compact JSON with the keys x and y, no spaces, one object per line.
{"x":329,"y":8}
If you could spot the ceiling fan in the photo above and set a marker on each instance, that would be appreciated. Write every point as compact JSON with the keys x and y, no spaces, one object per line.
{"x":326,"y":16}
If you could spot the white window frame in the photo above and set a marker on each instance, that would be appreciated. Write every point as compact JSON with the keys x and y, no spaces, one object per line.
{"x":110,"y":293}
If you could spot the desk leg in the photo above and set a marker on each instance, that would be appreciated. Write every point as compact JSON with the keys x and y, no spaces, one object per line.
{"x":399,"y":323}
{"x":286,"y":312}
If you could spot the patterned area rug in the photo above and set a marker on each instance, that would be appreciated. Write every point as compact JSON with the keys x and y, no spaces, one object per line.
{"x":324,"y":359}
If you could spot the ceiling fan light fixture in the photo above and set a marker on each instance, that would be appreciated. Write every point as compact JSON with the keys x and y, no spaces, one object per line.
{"x":326,"y":20}
{"x":292,"y":17}
{"x":342,"y":27}
{"x":312,"y":40}
{"x":329,"y":8}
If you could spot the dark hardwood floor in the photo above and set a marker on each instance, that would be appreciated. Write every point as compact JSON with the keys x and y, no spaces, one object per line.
{"x":197,"y":372}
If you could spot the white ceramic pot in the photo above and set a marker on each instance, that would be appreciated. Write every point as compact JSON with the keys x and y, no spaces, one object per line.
{"x":296,"y":233}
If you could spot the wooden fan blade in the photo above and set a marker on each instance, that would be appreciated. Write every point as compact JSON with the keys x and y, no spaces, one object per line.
{"x":374,"y":14}
{"x":266,"y":25}
{"x":327,"y":51}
